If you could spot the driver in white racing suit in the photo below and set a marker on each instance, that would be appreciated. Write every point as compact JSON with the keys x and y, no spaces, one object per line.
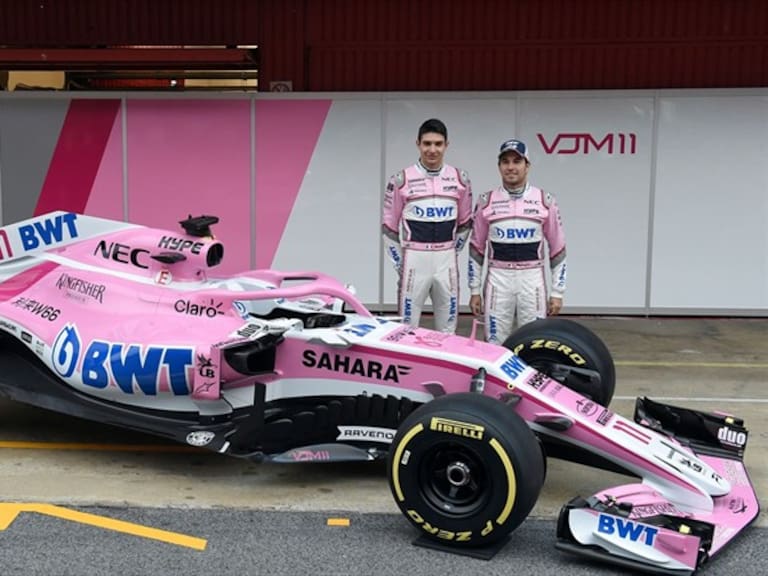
{"x":510,"y":224}
{"x":426,"y":220}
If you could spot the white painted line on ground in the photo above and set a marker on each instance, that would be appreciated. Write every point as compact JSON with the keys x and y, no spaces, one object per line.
{"x":698,"y":399}
{"x":653,"y":364}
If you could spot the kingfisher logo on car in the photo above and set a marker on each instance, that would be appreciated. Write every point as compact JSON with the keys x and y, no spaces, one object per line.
{"x":81,"y":288}
{"x":209,"y":309}
{"x":133,"y":368}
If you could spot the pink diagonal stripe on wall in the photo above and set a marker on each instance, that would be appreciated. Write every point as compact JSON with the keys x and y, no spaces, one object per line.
{"x":286,"y":135}
{"x":192,"y":156}
{"x":77,"y":156}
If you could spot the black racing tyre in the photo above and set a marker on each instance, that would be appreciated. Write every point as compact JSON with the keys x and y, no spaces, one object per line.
{"x":552,"y":345}
{"x":465,"y":469}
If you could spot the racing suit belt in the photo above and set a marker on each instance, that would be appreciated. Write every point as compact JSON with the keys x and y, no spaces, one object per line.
{"x":431,"y":231}
{"x":429,"y":246}
{"x":526,"y":265}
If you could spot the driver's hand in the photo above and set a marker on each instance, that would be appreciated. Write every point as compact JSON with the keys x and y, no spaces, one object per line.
{"x":555,"y":304}
{"x":476,"y":304}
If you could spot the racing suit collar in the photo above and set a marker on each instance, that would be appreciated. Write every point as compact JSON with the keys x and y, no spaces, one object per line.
{"x":517,"y":192}
{"x":428,"y":171}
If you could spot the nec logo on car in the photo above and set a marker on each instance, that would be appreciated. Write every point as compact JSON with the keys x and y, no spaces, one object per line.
{"x":626,"y":529}
{"x":48,"y":231}
{"x":117,"y":364}
{"x":121,"y":253}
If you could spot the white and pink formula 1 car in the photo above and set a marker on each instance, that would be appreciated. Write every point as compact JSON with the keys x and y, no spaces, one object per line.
{"x":131,"y":326}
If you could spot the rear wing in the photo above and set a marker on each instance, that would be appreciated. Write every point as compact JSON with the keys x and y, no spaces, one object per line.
{"x":52,"y":230}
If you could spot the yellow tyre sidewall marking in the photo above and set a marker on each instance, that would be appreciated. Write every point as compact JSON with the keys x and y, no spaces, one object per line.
{"x":398,"y":455}
{"x":511,"y":482}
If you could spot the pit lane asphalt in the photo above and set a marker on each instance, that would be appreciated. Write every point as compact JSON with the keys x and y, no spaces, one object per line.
{"x":266,"y":518}
{"x":289,"y":543}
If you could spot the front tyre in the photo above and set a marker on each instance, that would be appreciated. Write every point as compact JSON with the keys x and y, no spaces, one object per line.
{"x":465,"y":469}
{"x":568,"y":352}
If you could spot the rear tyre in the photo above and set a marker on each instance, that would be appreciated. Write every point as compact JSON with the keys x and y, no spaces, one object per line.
{"x":465,"y":470}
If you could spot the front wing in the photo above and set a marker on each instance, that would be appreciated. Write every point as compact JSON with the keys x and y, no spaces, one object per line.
{"x":637,"y":527}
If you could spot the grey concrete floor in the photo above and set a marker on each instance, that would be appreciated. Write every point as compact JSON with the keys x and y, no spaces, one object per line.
{"x":705,"y":363}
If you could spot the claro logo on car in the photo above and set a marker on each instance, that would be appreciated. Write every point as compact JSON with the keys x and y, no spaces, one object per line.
{"x":208,"y":309}
{"x":359,"y":366}
{"x":133,"y":368}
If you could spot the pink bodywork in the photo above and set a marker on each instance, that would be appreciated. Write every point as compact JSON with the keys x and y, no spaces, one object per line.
{"x":117,"y":323}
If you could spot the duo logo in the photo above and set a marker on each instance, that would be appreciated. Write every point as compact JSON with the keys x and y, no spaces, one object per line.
{"x":105,"y":363}
{"x":433,"y":212}
{"x":48,"y":231}
{"x":626,"y":529}
{"x":515,"y":233}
